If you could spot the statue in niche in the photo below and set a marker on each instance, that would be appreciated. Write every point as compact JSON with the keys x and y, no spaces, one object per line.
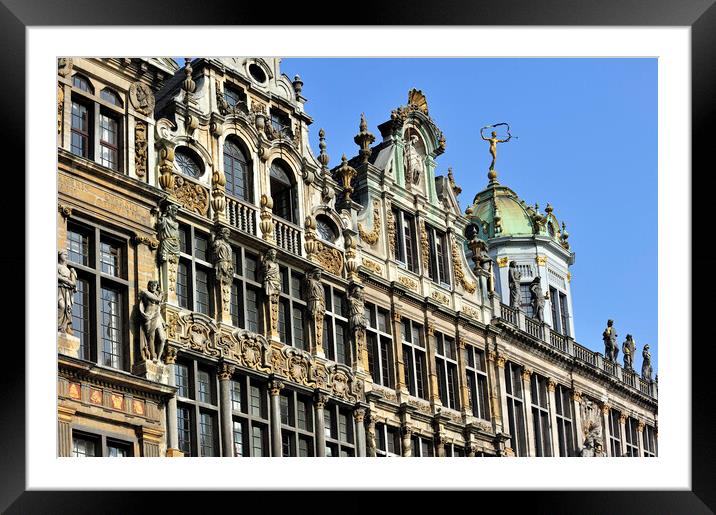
{"x":646,"y":364}
{"x":611,"y":350}
{"x":271,"y":276}
{"x":356,"y":307}
{"x":593,"y":443}
{"x":413,"y":161}
{"x":538,"y":298}
{"x":66,"y":288}
{"x":152,"y":321}
{"x":223,"y":256}
{"x":168,"y":232}
{"x":515,"y":276}
{"x":628,"y":349}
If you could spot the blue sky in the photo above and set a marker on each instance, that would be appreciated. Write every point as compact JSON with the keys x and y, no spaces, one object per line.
{"x":587,"y":143}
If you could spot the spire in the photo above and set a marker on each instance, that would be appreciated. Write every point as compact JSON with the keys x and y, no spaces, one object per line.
{"x":563,"y":236}
{"x":364,"y":139}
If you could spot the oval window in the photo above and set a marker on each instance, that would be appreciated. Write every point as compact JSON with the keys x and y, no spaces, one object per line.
{"x":257,"y":73}
{"x":326,"y":229}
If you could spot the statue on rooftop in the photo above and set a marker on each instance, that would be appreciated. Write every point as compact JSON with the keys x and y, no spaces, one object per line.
{"x":646,"y":364}
{"x":610,"y":342}
{"x":628,"y":349}
{"x":494,"y":140}
{"x":514,"y":276}
{"x":538,"y":298}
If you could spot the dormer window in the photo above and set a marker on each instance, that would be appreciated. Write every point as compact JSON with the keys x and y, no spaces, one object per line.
{"x":234,"y":96}
{"x":280,"y":121}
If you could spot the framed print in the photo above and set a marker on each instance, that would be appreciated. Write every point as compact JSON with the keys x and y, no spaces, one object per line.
{"x":228,"y":286}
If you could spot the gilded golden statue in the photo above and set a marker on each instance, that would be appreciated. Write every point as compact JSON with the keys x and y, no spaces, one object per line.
{"x":494,"y":140}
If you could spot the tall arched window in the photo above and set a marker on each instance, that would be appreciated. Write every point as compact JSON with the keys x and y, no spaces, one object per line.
{"x":236,"y":170}
{"x":283,"y":192}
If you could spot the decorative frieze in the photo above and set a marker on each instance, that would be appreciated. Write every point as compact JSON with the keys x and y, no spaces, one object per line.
{"x":372,"y":266}
{"x":408,"y":283}
{"x":440,"y":297}
{"x":140,"y":148}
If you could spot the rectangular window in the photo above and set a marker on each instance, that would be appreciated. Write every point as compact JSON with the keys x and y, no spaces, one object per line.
{"x":446,"y":367}
{"x":405,"y":248}
{"x":81,"y":317}
{"x":553,"y":296}
{"x":181,"y":378}
{"x":649,"y":442}
{"x":111,"y":328}
{"x":414,"y":358}
{"x":515,"y":408}
{"x":526,"y":299}
{"x":234,"y":96}
{"x":565,"y":431}
{"x":252,"y":310}
{"x":205,"y":387}
{"x":236,"y":396}
{"x":283,"y":316}
{"x":108,"y":142}
{"x":564,"y":313}
{"x":477,"y":383}
{"x":203,"y":302}
{"x":438,"y":268}
{"x":207,"y":441}
{"x":183,"y":285}
{"x":184,"y":429}
{"x":540,"y":416}
{"x":632,"y":442}
{"x":85,"y":447}
{"x":299,"y":338}
{"x":615,"y":433}
{"x":240,"y":434}
{"x":110,"y":255}
{"x":80,"y":127}
{"x":335,"y":326}
{"x":116,"y":449}
{"x":78,"y":247}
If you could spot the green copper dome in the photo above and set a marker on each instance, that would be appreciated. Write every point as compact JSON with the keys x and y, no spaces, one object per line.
{"x":499,"y":212}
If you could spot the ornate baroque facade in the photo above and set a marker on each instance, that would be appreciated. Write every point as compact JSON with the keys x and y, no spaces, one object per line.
{"x":223,"y":291}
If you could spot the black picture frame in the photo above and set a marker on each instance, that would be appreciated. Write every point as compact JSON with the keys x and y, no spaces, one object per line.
{"x":700,"y":15}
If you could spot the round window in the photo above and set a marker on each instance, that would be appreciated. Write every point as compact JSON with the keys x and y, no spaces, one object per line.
{"x":257,"y":73}
{"x":326,"y":230}
{"x":187,"y":163}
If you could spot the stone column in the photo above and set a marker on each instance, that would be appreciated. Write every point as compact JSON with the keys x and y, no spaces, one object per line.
{"x":434,"y":394}
{"x":551,"y":386}
{"x":527,"y":395}
{"x":607,"y":435}
{"x":495,"y":391}
{"x":577,"y":410}
{"x":407,"y":432}
{"x":275,"y":387}
{"x":622,"y":429}
{"x":225,"y":374}
{"x":640,"y":437}
{"x":462,"y":374}
{"x":64,"y":431}
{"x":319,"y":403}
{"x":359,"y":416}
{"x":400,"y":384}
{"x":170,"y":357}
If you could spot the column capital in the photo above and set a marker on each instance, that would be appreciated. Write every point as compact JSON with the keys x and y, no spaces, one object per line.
{"x":397,"y":315}
{"x":225,"y":371}
{"x":576,"y":395}
{"x":406,"y":430}
{"x":359,"y":414}
{"x":275,"y":386}
{"x":491,"y":356}
{"x":501,"y":359}
{"x":640,"y":426}
{"x":551,"y":385}
{"x":462,"y":342}
{"x":65,"y":211}
{"x":431,"y":329}
{"x":605,"y":408}
{"x":526,"y":374}
{"x":320,"y":399}
{"x":170,"y":355}
{"x":622,"y":418}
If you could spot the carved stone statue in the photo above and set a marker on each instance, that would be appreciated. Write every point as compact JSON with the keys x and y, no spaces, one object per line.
{"x":152,"y":321}
{"x":66,"y":288}
{"x":413,"y":161}
{"x":646,"y":364}
{"x":515,"y":277}
{"x":168,"y":232}
{"x":223,"y":256}
{"x":356,"y":307}
{"x":271,"y":275}
{"x":610,"y":342}
{"x":316,"y":303}
{"x":628,"y":349}
{"x":538,"y":298}
{"x":593,"y":443}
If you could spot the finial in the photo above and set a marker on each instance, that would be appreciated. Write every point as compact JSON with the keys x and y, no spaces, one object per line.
{"x":297,"y":84}
{"x":364,"y":139}
{"x":492,"y":176}
{"x":323,"y":156}
{"x":548,"y":209}
{"x":563,"y":236}
{"x":189,"y":85}
{"x":346,"y":173}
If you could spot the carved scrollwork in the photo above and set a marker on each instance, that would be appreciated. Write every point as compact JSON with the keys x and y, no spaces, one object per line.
{"x":460,"y":275}
{"x":192,"y":196}
{"x":371,"y":238}
{"x":329,"y":258}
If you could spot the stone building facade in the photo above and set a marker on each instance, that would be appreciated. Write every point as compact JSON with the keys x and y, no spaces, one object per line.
{"x":223,"y":291}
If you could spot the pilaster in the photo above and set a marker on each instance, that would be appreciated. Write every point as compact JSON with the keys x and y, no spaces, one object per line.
{"x":225,"y":373}
{"x":319,"y":403}
{"x":551,"y":386}
{"x":275,"y":387}
{"x":527,"y":395}
{"x":64,"y":431}
{"x":400,"y":384}
{"x":359,"y":417}
{"x":607,"y":434}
